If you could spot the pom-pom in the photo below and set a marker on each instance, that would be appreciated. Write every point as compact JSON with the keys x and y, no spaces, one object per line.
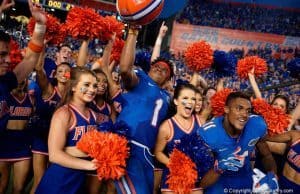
{"x":224,"y":63}
{"x":277,"y":121}
{"x":198,"y":56}
{"x":84,"y":23}
{"x":195,"y":148}
{"x":294,"y":68}
{"x":143,"y":60}
{"x":54,"y":35}
{"x":245,"y":65}
{"x":218,"y":101}
{"x":110,"y":151}
{"x":15,"y":54}
{"x":117,"y":50}
{"x":110,"y":26}
{"x":183,"y":173}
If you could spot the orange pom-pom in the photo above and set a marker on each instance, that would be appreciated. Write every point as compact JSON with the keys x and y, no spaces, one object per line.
{"x":198,"y":56}
{"x":218,"y":101}
{"x":245,"y":65}
{"x":117,"y":50}
{"x":83,"y":23}
{"x":277,"y":121}
{"x":139,"y":12}
{"x":15,"y":54}
{"x":110,"y":26}
{"x":183,"y":173}
{"x":110,"y":151}
{"x":53,"y":35}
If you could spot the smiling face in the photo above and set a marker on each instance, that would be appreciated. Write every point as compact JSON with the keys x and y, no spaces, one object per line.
{"x":237,"y":113}
{"x":102,"y":83}
{"x":185,"y":102}
{"x":61,"y":72}
{"x":86,"y":88}
{"x":199,"y":102}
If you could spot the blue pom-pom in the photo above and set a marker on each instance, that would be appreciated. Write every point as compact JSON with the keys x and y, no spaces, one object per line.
{"x":224,"y":63}
{"x":120,"y":128}
{"x":294,"y":68}
{"x":194,"y":147}
{"x":143,"y":60}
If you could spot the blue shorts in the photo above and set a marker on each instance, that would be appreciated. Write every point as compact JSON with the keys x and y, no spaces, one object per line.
{"x":140,"y":171}
{"x":287,"y":186}
{"x":61,"y":180}
{"x":15,"y":145}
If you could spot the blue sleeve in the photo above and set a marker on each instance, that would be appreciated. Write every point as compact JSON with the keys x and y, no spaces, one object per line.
{"x":257,"y":123}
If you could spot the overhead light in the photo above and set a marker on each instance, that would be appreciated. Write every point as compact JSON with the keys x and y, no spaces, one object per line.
{"x":14,"y":9}
{"x":52,"y":9}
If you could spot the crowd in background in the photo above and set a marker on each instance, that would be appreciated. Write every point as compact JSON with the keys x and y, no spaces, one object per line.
{"x":242,"y":17}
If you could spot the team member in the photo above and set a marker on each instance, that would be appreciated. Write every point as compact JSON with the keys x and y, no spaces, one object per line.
{"x":66,"y":173}
{"x":232,"y":138}
{"x":173,"y":129}
{"x":144,"y":107}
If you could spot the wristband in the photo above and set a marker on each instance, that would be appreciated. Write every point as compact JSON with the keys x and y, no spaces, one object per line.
{"x":39,"y":28}
{"x":34,"y":47}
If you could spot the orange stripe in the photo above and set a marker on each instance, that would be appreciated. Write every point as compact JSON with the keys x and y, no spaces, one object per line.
{"x":131,"y":186}
{"x":171,"y":130}
{"x":121,"y":187}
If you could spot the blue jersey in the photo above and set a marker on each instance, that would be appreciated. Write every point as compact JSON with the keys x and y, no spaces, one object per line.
{"x":102,"y":113}
{"x":224,"y":145}
{"x":50,"y":68}
{"x":143,"y":110}
{"x":7,"y":83}
{"x":20,"y":109}
{"x":293,"y":156}
{"x":177,"y":132}
{"x":80,"y":126}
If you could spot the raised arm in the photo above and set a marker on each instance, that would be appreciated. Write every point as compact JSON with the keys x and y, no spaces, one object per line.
{"x":35,"y":46}
{"x":128,"y":76}
{"x":5,"y":5}
{"x":107,"y":67}
{"x":83,"y":53}
{"x":42,"y":79}
{"x":295,"y":115}
{"x":254,"y":85}
{"x":198,"y":80}
{"x":157,"y":46}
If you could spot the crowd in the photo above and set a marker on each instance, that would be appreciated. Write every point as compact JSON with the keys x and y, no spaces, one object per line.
{"x":56,"y":95}
{"x":242,"y":17}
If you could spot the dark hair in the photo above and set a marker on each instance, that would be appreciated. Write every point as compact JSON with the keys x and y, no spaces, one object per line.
{"x":75,"y":75}
{"x":283,"y":97}
{"x":234,"y":95}
{"x":4,"y":36}
{"x":206,"y":90}
{"x":177,"y":91}
{"x":167,"y":62}
{"x":63,"y":45}
{"x":65,"y":63}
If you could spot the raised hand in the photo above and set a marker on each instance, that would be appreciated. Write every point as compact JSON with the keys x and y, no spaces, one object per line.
{"x":37,"y":13}
{"x":163,"y":30}
{"x":6,"y":4}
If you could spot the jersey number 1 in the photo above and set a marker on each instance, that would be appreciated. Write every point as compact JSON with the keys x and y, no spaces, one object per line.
{"x":158,"y":105}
